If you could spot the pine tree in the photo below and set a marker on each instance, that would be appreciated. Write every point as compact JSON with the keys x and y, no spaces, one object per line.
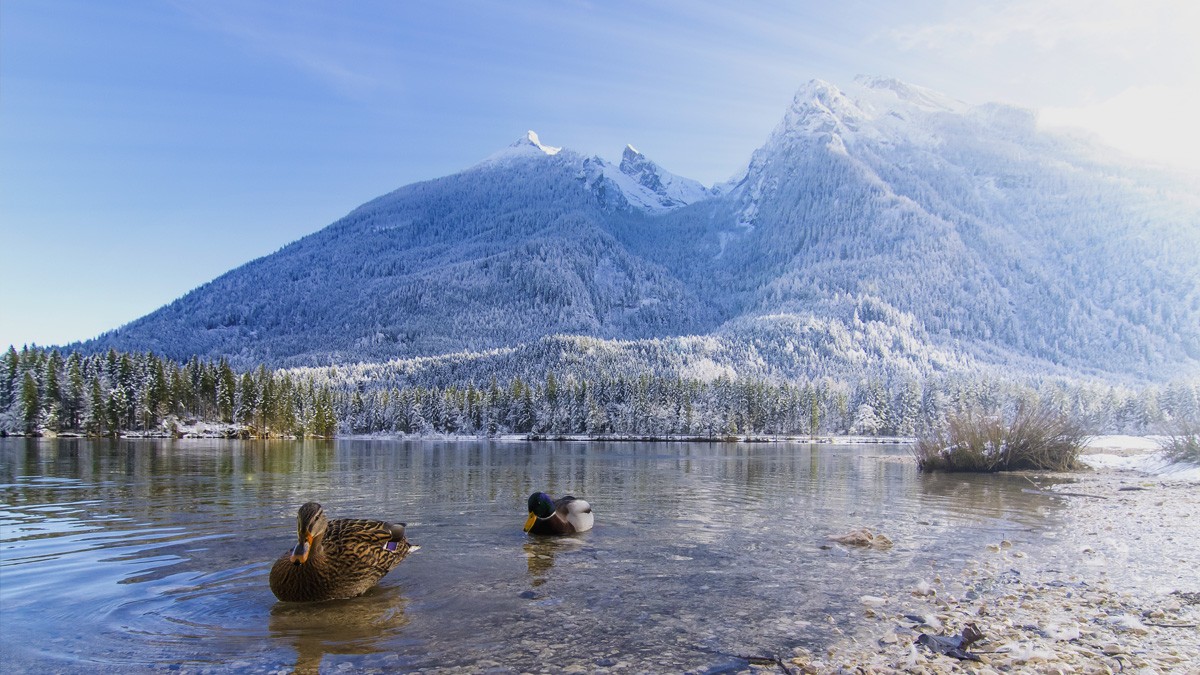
{"x":814,"y":414}
{"x":74,"y":393}
{"x":51,"y":391}
{"x":117,"y":404}
{"x":324,"y":421}
{"x":908,"y":408}
{"x":155,"y":392}
{"x":247,"y":402}
{"x":264,"y":383}
{"x":96,"y":416}
{"x":357,"y":420}
{"x":10,"y":379}
{"x":30,"y":403}
{"x":225,"y":386}
{"x":123,"y":403}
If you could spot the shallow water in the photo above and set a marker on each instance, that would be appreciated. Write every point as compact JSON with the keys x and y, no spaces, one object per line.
{"x":153,"y":554}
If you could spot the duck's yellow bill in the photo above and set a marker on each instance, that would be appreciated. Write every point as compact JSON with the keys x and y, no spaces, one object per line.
{"x":530,"y":521}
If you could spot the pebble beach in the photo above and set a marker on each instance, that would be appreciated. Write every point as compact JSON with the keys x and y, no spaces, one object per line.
{"x":1113,"y":588}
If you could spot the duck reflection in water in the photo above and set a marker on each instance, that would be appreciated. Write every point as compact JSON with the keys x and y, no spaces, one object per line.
{"x":540,"y":553}
{"x":539,"y":557}
{"x":358,"y":626}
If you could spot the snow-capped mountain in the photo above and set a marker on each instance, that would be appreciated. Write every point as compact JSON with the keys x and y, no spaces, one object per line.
{"x":989,"y":234}
{"x":637,"y":180}
{"x":528,"y":146}
{"x":648,"y":186}
{"x":517,"y":246}
{"x":880,"y":223}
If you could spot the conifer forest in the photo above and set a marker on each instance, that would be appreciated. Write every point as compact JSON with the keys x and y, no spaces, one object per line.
{"x":114,"y":393}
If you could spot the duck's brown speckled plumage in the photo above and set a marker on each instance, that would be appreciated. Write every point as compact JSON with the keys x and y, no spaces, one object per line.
{"x":346,"y":558}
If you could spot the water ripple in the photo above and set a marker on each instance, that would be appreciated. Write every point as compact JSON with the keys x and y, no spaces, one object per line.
{"x":143,"y":555}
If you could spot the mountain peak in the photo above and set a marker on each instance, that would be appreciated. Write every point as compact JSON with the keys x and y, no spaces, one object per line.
{"x":637,"y":166}
{"x":820,"y":95}
{"x":530,"y":139}
{"x":527,"y":146}
{"x":911,"y":94}
{"x":652,"y":188}
{"x":819,"y":111}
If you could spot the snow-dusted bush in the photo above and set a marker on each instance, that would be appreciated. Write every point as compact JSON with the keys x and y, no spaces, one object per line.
{"x":1184,"y":445}
{"x":1033,"y":437}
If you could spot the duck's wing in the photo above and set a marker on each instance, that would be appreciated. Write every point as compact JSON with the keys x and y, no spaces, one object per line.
{"x":576,"y":512}
{"x":562,"y":505}
{"x":375,"y":543}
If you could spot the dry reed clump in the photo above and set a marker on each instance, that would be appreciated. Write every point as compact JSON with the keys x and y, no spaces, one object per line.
{"x":1184,"y":444}
{"x":1034,"y":438}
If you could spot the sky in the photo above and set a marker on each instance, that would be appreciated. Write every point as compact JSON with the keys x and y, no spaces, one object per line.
{"x":148,"y":146}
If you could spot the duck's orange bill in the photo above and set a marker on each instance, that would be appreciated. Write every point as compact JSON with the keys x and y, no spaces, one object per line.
{"x":300,"y":553}
{"x":530,"y":521}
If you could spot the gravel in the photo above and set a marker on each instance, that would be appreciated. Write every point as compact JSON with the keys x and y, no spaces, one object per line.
{"x":1114,"y":588}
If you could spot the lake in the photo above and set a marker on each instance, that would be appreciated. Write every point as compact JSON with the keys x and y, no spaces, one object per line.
{"x":143,"y":555}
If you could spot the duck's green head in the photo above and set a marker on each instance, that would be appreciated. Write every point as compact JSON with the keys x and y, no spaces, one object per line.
{"x":541,"y":505}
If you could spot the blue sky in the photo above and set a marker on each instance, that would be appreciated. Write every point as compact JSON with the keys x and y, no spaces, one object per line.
{"x":146,"y":147}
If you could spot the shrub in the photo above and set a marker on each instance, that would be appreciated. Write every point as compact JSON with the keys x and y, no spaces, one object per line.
{"x":1035,"y":437}
{"x":1184,"y":445}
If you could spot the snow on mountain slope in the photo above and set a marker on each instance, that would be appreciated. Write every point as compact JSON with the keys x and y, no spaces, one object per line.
{"x":879,"y":223}
{"x":510,"y":250}
{"x":968,"y":218}
{"x":650,"y":187}
{"x":643,"y":184}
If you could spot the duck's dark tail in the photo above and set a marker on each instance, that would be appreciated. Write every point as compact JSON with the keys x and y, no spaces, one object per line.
{"x":398,"y":542}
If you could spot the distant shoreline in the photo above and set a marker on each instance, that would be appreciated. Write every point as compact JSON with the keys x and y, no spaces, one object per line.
{"x":233,"y":432}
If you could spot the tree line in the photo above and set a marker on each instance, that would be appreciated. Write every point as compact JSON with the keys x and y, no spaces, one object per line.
{"x":111,"y":393}
{"x":725,"y":407}
{"x":117,"y":392}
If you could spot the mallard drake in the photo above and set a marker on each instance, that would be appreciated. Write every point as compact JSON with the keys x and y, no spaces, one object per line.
{"x":337,"y":558}
{"x":566,"y":515}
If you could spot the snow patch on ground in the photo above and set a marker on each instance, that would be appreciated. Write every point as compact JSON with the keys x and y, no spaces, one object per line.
{"x":1136,"y":453}
{"x":1124,"y":444}
{"x":1153,"y":464}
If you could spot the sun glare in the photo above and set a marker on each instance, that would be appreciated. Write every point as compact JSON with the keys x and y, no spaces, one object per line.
{"x":1155,"y":123}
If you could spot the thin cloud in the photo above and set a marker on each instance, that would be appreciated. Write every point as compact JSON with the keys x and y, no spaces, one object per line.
{"x":307,"y":51}
{"x":1131,"y":27}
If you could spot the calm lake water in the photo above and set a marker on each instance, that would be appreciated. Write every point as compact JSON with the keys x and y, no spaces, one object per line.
{"x":145,"y":555}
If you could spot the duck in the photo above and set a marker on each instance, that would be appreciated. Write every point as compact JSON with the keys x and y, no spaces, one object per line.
{"x":337,"y":559}
{"x":566,"y":515}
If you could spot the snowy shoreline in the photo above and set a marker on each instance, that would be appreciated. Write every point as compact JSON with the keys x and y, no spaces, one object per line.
{"x":1139,"y":455}
{"x":1112,"y":587}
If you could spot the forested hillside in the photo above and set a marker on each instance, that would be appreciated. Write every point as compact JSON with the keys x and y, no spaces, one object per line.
{"x":880,"y":227}
{"x":966,"y":226}
{"x":492,"y":257}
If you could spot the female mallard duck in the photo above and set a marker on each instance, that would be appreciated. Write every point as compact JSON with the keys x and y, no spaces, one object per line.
{"x":337,"y":558}
{"x":562,"y":516}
